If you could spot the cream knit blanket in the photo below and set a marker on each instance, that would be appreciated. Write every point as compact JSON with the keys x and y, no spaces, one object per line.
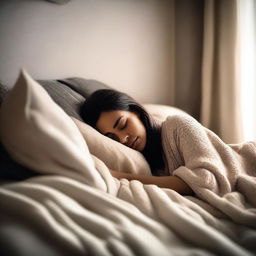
{"x":100,"y":215}
{"x":222,"y":175}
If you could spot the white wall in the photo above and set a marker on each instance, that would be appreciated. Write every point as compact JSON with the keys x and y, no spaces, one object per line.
{"x":125,"y":43}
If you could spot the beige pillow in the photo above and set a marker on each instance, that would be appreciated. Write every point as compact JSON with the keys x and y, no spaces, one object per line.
{"x":40,"y":135}
{"x":115,"y":155}
{"x":160,"y":112}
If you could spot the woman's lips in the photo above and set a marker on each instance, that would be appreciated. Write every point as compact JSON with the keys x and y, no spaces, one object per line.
{"x":135,"y":143}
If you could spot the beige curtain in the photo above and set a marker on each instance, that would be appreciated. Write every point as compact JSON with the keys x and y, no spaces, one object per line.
{"x":206,"y":82}
{"x":220,"y":92}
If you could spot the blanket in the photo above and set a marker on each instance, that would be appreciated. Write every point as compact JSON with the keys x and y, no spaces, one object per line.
{"x":222,"y":175}
{"x":127,"y":218}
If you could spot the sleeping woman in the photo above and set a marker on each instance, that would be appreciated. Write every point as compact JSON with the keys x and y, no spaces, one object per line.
{"x":183,"y":155}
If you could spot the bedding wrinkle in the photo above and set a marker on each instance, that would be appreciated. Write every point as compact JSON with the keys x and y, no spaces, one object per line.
{"x":246,"y":185}
{"x":58,"y":203}
{"x":182,"y":220}
{"x":141,"y":198}
{"x":77,"y":190}
{"x":27,"y":210}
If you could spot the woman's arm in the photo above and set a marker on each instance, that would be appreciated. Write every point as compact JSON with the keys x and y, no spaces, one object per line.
{"x":171,"y":182}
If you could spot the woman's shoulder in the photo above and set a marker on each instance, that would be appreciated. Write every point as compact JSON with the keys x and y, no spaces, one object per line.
{"x":181,"y":123}
{"x":179,"y":119}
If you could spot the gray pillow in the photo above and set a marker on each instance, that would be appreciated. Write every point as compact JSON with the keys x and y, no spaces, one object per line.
{"x":84,"y":87}
{"x":3,"y":91}
{"x":68,"y":99}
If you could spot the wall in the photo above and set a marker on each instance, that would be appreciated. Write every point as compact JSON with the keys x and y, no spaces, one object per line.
{"x":189,"y":17}
{"x":127,"y":43}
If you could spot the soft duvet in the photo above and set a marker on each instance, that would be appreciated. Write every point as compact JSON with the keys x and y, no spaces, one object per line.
{"x":80,"y":209}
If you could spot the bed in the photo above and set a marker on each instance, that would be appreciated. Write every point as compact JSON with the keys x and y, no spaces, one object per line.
{"x":57,"y":196}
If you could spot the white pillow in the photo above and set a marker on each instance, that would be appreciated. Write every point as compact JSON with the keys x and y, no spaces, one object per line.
{"x":40,"y":135}
{"x":115,"y":155}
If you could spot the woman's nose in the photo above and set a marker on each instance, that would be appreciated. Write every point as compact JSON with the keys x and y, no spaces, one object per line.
{"x":123,"y":138}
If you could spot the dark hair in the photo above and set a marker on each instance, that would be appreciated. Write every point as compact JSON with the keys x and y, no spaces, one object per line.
{"x":109,"y":100}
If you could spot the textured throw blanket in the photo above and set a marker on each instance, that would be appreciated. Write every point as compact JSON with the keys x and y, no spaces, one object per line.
{"x":128,"y":218}
{"x":222,"y":175}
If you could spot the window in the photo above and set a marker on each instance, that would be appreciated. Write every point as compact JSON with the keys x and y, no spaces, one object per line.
{"x":247,"y":50}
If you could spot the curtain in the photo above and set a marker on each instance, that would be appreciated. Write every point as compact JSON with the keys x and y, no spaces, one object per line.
{"x":220,"y":87}
{"x":206,"y":77}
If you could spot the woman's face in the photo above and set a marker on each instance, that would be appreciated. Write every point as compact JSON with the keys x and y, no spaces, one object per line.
{"x":124,"y":127}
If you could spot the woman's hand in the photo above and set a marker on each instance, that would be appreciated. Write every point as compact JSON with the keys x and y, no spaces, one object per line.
{"x":171,"y":182}
{"x":119,"y":175}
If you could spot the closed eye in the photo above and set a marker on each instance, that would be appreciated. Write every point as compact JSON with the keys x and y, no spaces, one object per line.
{"x":124,"y":125}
